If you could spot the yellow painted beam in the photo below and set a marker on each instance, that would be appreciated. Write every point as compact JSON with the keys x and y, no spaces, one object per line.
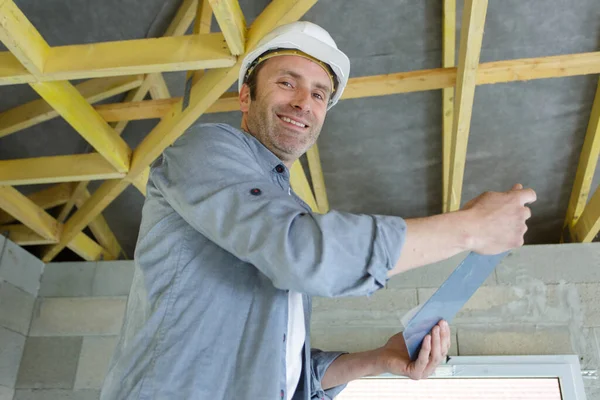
{"x":82,"y":245}
{"x":88,"y":211}
{"x":202,"y":24}
{"x":588,"y":224}
{"x":150,"y":109}
{"x":204,"y":15}
{"x":134,"y":95}
{"x":440,"y":78}
{"x":301,"y":187}
{"x":316,"y":176}
{"x":78,"y":192}
{"x":88,"y":249}
{"x":212,"y":85}
{"x":448,"y":56}
{"x":73,"y":107}
{"x":230,"y":18}
{"x":78,"y":167}
{"x":154,"y":82}
{"x":139,"y":56}
{"x":471,"y":36}
{"x":23,"y":236}
{"x":12,"y":71}
{"x":101,"y":230}
{"x":21,"y":208}
{"x":183,"y":18}
{"x":22,"y":39}
{"x":158,"y":89}
{"x":38,"y":111}
{"x":131,"y":111}
{"x":128,"y":57}
{"x":539,"y":68}
{"x":45,"y":199}
{"x":141,"y":181}
{"x":587,"y":165}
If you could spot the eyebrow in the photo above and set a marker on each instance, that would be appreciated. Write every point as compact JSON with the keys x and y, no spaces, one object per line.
{"x":296,"y":75}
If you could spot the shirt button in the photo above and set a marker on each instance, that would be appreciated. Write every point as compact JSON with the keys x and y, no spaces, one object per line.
{"x":255,"y":192}
{"x":282,"y":394}
{"x":284,"y":337}
{"x":279,"y":168}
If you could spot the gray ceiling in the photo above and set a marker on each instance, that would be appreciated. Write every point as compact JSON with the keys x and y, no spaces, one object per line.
{"x":379,"y":155}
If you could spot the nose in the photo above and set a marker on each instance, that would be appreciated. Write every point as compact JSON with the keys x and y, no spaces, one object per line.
{"x":301,"y":100}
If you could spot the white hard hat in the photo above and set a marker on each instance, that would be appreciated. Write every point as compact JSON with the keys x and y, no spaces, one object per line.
{"x":310,"y":39}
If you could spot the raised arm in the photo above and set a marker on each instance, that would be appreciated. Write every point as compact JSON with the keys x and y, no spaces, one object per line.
{"x":489,"y":224}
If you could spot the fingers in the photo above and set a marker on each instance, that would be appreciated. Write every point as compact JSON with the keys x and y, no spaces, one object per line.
{"x":527,"y":213}
{"x":436,"y":352}
{"x":423,"y":358}
{"x":445,"y":338}
{"x":526,"y":196}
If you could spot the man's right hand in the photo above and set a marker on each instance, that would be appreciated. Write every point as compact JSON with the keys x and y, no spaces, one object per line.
{"x":498,"y":219}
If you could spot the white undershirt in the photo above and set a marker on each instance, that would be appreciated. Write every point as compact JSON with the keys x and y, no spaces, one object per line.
{"x":295,"y":336}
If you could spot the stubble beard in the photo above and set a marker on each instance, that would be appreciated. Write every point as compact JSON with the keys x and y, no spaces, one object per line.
{"x":263,"y":125}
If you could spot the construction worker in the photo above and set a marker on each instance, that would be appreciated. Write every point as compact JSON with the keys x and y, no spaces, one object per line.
{"x":228,"y":256}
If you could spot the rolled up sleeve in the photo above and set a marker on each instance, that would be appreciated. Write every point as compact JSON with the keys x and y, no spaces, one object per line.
{"x":319,"y":362}
{"x":213,"y":180}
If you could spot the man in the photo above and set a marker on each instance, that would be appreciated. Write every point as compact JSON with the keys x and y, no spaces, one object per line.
{"x":229,"y":256}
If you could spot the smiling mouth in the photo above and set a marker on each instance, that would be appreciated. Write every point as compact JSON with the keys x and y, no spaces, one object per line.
{"x":292,"y":122}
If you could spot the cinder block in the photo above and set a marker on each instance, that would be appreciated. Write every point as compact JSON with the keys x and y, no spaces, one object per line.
{"x":56,"y":394}
{"x":589,"y":294}
{"x":584,"y":344}
{"x":49,"y":363}
{"x":574,"y":263}
{"x":95,"y":356}
{"x":354,"y":338}
{"x":529,"y":303}
{"x":432,"y":275}
{"x":68,"y":279}
{"x":113,"y":278}
{"x":11,"y":350}
{"x":596,"y":332}
{"x":78,"y":316}
{"x":6,"y":393}
{"x":592,"y":389}
{"x":513,"y":340}
{"x":488,"y":304}
{"x":16,"y":307}
{"x":384,"y":307}
{"x":20,"y":268}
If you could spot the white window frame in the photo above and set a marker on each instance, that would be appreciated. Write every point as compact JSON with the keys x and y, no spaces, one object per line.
{"x":564,"y":367}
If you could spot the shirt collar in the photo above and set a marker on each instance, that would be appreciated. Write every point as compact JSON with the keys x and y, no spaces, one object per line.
{"x":265,"y":157}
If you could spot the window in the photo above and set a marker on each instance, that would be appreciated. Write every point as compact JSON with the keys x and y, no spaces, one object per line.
{"x":490,"y":377}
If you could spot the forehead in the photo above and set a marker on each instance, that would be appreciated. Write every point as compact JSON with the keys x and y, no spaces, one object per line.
{"x":300,"y":66}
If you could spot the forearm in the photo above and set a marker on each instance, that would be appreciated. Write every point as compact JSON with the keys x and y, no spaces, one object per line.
{"x":348,"y":367}
{"x":432,"y":239}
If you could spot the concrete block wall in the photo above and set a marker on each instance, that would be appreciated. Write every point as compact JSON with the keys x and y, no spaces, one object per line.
{"x":540,"y":300}
{"x":20,"y":274}
{"x":75,"y":327}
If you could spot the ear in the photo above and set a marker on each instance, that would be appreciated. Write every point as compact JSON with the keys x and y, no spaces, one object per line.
{"x":245,"y":98}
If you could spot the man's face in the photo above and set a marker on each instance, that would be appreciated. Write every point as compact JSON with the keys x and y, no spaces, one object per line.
{"x":288,"y":112}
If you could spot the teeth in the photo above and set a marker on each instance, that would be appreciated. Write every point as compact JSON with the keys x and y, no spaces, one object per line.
{"x":291,"y":121}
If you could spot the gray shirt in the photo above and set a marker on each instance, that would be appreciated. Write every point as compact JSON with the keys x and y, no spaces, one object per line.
{"x":223,"y":239}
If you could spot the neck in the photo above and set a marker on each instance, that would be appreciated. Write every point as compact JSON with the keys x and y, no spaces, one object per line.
{"x":244,"y":127}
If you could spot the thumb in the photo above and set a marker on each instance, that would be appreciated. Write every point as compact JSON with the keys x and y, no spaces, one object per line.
{"x":518,"y":186}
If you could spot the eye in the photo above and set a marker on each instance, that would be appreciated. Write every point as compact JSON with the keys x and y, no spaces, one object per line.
{"x":318,"y":96}
{"x":285,"y":83}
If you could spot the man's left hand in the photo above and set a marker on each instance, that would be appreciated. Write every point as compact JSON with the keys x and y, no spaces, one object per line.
{"x":433,"y":352}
